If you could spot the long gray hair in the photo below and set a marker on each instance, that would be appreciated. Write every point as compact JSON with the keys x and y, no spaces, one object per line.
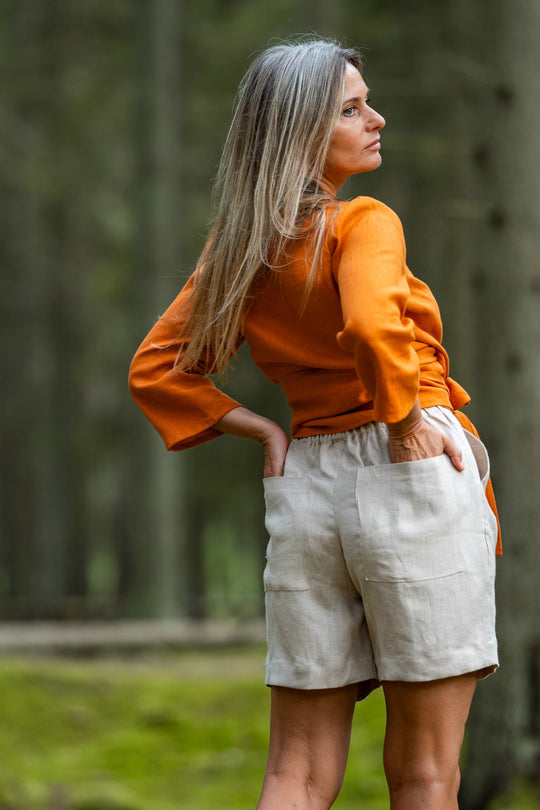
{"x":267,"y":190}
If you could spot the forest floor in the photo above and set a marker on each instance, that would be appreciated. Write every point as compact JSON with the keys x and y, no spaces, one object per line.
{"x":179,"y":729}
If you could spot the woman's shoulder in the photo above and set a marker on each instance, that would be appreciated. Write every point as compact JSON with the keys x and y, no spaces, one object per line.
{"x":364,"y":213}
{"x":365,"y":206}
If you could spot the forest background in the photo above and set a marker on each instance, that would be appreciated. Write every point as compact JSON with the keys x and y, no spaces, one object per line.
{"x":113,"y":114}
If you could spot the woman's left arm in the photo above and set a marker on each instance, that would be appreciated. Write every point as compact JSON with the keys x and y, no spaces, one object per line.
{"x":243,"y":422}
{"x":183,"y":406}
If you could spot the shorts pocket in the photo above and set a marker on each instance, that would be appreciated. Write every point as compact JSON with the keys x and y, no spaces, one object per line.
{"x":413,"y":518}
{"x":480,"y":456}
{"x":287,"y":505}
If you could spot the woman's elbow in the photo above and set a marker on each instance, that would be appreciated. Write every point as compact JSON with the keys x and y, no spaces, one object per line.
{"x":137,"y":377}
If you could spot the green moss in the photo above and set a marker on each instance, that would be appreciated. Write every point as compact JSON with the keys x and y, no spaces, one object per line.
{"x":522,"y":796}
{"x":187,"y":729}
{"x":183,"y":730}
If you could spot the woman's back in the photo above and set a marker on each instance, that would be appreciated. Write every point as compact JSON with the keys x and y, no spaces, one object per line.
{"x":303,"y":344}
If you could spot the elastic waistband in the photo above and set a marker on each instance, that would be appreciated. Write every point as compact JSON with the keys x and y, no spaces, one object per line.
{"x":330,"y":438}
{"x":368,"y":427}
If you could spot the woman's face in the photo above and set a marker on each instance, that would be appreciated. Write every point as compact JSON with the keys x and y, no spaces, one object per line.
{"x":355,"y":145}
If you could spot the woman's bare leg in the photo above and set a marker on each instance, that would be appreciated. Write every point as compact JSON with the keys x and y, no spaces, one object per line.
{"x":310,"y":733}
{"x":424,"y":733}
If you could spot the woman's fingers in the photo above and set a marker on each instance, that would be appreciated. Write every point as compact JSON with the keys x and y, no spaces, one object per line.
{"x":242,"y":422}
{"x":424,"y":441}
{"x":275,"y":452}
{"x":454,"y":454}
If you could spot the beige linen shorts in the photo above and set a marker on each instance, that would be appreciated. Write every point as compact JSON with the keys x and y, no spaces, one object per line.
{"x":378,"y":571}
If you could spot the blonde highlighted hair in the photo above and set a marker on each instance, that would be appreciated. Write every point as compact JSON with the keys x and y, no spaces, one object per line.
{"x":267,"y":190}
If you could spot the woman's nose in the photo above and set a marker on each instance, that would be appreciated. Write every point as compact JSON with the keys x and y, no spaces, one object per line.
{"x":379,"y":121}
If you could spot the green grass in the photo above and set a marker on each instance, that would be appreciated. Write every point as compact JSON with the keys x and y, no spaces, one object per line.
{"x":177,"y":731}
{"x":522,"y":797}
{"x":184,"y":730}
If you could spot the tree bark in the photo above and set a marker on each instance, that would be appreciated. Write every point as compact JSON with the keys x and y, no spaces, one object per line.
{"x":151,"y":549}
{"x":45,"y":507}
{"x":498,"y":62}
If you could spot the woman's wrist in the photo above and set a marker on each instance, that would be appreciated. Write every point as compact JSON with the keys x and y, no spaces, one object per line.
{"x":408,"y":426}
{"x":241,"y":421}
{"x":273,"y":439}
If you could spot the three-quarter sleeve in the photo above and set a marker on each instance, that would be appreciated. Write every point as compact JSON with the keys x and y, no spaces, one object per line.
{"x":369,"y":266}
{"x":183,"y":406}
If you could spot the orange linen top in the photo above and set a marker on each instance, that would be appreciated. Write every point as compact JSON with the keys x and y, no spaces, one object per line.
{"x":363,"y":348}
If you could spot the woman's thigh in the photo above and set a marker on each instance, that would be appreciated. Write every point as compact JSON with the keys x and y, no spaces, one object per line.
{"x":310,"y":733}
{"x":425,"y":726}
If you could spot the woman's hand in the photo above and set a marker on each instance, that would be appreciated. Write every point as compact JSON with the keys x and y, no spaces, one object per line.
{"x":413,"y":439}
{"x":275,"y":443}
{"x":243,"y":422}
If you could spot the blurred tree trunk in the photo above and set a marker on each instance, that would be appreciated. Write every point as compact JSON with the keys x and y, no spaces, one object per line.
{"x":21,"y":268}
{"x":498,"y":62}
{"x":63,"y":555}
{"x":153,"y":491}
{"x":44,"y":495}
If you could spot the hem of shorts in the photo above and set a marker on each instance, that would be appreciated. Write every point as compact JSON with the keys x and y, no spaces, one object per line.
{"x":310,"y":676}
{"x":411,"y":670}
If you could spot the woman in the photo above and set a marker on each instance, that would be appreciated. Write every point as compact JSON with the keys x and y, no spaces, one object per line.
{"x":381,"y":557}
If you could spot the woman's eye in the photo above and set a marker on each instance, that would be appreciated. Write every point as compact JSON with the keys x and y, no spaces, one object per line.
{"x":349,"y":112}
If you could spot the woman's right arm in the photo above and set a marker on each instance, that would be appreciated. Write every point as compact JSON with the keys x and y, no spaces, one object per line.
{"x":412,"y":439}
{"x":371,"y":272}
